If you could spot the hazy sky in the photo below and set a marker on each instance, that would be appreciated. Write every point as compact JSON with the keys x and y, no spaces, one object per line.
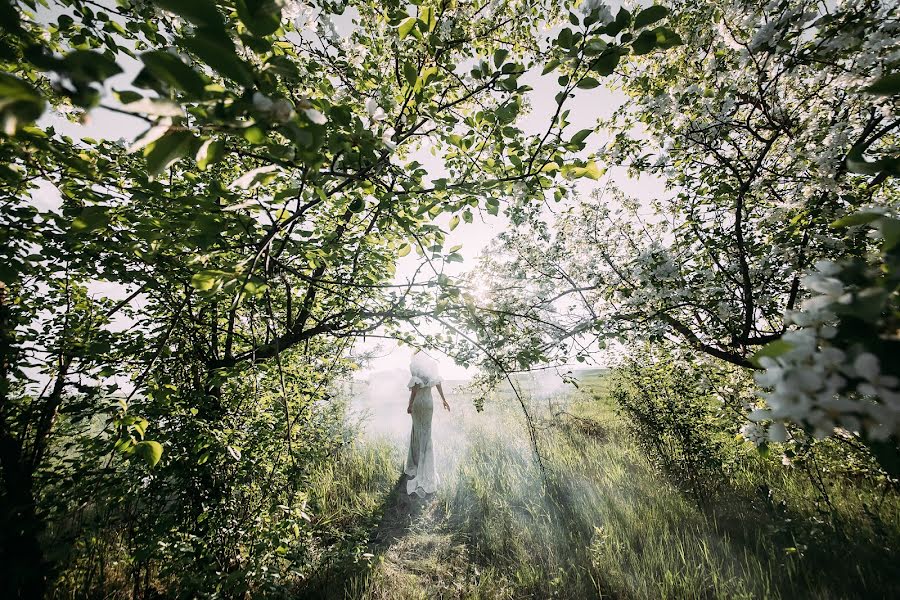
{"x":586,"y":107}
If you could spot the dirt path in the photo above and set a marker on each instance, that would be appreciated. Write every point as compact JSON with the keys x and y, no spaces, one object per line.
{"x":416,"y":549}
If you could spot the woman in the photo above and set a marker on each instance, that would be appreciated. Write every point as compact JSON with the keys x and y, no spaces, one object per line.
{"x":420,"y":460}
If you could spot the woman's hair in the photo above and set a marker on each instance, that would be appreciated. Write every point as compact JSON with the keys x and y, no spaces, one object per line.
{"x":423,"y":366}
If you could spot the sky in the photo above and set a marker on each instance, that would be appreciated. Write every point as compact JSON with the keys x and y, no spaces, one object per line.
{"x":586,"y":108}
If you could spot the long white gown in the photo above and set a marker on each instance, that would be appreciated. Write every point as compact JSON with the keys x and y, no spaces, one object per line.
{"x":420,"y":460}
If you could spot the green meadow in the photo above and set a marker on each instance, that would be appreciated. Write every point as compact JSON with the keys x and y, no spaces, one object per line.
{"x":601,"y":521}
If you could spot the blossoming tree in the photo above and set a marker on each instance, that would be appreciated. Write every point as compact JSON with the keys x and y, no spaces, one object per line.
{"x":250,"y":230}
{"x":774,"y":128}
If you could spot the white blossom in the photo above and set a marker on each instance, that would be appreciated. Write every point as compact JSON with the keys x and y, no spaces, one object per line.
{"x":387,"y":138}
{"x":727,"y":37}
{"x":753,"y":432}
{"x":282,"y":110}
{"x":315,"y":116}
{"x":589,"y":6}
{"x":376,"y":113}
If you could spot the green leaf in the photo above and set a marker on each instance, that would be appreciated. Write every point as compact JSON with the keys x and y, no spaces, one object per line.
{"x":166,"y":150}
{"x":666,"y":38}
{"x":454,"y":222}
{"x":410,"y":73}
{"x":87,"y":65}
{"x":253,"y":287}
{"x":588,"y":83}
{"x":889,"y":85}
{"x":772,"y":350}
{"x":565,"y":39}
{"x":650,"y":15}
{"x":210,"y":152}
{"x":858,"y":218}
{"x":255,"y":177}
{"x":9,"y":16}
{"x":255,"y":135}
{"x":500,"y":55}
{"x":159,"y":107}
{"x":90,"y":218}
{"x":426,"y":16}
{"x":141,"y":427}
{"x":148,"y":137}
{"x":887,"y":455}
{"x":218,"y":53}
{"x":589,"y":170}
{"x":358,"y":205}
{"x":126,"y":96}
{"x":262,"y":17}
{"x":595,"y":47}
{"x":550,"y":66}
{"x":13,"y":88}
{"x":510,"y":84}
{"x":169,"y":69}
{"x":209,"y":279}
{"x":857,"y":163}
{"x":283,"y":67}
{"x":404,"y":250}
{"x":507,"y":113}
{"x":150,"y":451}
{"x":19,"y":103}
{"x":644,"y":43}
{"x":202,"y":13}
{"x":406,"y":26}
{"x":890,"y":232}
{"x":582,"y":135}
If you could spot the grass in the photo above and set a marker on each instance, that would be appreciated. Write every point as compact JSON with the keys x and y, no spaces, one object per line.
{"x":602,"y":522}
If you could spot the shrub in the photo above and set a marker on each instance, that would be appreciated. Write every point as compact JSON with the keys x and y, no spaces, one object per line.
{"x":671,"y":408}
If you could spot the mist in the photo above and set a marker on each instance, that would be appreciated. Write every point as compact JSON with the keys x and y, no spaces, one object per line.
{"x":377,"y":410}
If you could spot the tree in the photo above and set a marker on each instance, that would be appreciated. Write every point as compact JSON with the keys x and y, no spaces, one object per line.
{"x":758,"y":124}
{"x":252,"y":231}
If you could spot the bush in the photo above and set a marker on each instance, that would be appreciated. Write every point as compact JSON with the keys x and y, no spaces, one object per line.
{"x":224,"y":513}
{"x":671,"y":407}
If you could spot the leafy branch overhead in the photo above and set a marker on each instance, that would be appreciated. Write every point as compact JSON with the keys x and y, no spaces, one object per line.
{"x":278,"y":159}
{"x":774,"y":132}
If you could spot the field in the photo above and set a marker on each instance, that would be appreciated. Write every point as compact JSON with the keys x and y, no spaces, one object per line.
{"x":600,"y":522}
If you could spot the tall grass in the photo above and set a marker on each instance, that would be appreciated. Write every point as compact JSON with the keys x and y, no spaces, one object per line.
{"x":600,"y":522}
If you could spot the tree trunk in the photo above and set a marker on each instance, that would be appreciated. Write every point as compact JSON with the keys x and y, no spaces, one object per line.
{"x":23,"y":572}
{"x":23,"y":569}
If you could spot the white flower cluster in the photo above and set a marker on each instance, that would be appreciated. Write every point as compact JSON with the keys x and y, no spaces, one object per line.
{"x":355,"y":53}
{"x":819,"y":385}
{"x":302,"y":14}
{"x":588,"y":6}
{"x":280,"y":110}
{"x":376,"y":116}
{"x":754,"y":432}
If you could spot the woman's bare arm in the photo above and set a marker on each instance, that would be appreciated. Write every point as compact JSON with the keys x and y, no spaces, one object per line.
{"x":444,"y":398}
{"x":412,"y":395}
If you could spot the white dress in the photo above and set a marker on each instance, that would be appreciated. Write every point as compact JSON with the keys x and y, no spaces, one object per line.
{"x":420,"y":460}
